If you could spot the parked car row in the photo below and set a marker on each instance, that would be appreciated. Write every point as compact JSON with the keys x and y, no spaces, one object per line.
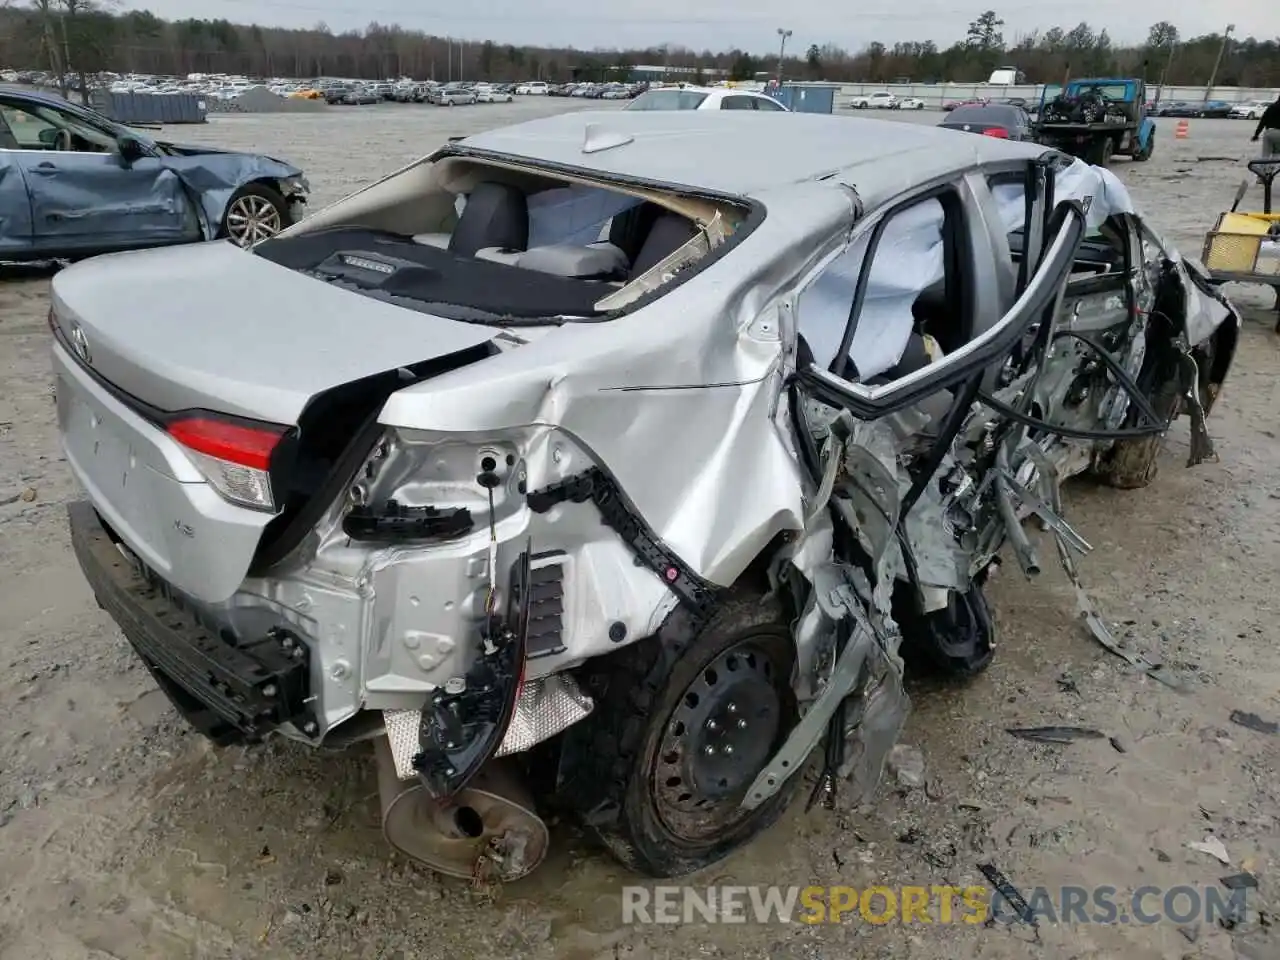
{"x":598,"y":91}
{"x":1217,"y":109}
{"x":1249,"y":109}
{"x":884,"y":100}
{"x":442,"y":95}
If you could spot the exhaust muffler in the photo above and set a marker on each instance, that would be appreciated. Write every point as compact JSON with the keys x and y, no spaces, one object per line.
{"x":487,"y":831}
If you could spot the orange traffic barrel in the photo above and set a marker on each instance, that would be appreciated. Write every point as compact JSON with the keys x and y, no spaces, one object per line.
{"x":1182,"y":130}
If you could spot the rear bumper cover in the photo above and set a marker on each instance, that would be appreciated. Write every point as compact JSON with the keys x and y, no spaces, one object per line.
{"x":230,"y":691}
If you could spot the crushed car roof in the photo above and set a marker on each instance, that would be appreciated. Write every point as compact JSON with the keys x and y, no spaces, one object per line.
{"x":746,"y":152}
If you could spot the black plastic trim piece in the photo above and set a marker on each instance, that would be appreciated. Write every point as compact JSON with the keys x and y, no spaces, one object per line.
{"x":232,"y":693}
{"x":464,"y":722}
{"x":545,"y":630}
{"x":621,"y":517}
{"x":393,"y":522}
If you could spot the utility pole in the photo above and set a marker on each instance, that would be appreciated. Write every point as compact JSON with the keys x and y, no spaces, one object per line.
{"x":449,"y":44}
{"x":462,"y":52}
{"x":1222,"y":50}
{"x":1164,"y":74}
{"x":782,"y":52}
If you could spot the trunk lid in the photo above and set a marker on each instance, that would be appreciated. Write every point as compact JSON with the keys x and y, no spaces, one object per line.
{"x":213,"y":327}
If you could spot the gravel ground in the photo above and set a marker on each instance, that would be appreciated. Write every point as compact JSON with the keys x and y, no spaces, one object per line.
{"x":123,"y":835}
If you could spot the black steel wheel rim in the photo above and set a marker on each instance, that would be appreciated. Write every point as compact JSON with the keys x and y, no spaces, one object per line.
{"x":717,"y":739}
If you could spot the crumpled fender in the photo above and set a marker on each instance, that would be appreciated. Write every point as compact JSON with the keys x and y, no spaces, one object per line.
{"x":214,"y":176}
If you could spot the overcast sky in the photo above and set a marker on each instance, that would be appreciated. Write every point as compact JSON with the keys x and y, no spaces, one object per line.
{"x":721,"y":24}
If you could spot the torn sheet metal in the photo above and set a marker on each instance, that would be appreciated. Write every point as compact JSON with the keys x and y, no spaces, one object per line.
{"x":213,"y":176}
{"x":869,"y":670}
{"x":1096,"y":625}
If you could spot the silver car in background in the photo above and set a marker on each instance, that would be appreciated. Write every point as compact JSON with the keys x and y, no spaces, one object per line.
{"x":452,"y":96}
{"x":572,"y":462}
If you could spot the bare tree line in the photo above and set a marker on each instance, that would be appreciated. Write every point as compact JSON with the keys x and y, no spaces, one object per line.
{"x":79,"y":38}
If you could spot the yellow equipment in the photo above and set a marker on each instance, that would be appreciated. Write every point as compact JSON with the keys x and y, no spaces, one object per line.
{"x":1245,"y":247}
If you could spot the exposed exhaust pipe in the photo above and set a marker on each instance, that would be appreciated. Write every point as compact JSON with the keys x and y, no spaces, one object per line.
{"x":488,"y":831}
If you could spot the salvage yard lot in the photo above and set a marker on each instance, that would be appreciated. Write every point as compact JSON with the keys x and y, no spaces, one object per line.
{"x":123,"y":835}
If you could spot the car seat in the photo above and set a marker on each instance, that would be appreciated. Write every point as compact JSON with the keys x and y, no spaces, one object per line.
{"x":628,"y":229}
{"x":669,"y":233}
{"x":496,"y":216}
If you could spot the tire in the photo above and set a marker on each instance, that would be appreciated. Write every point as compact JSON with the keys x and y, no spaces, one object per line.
{"x":265,"y":209}
{"x":1143,"y":154}
{"x":662,"y":703}
{"x":956,"y":643}
{"x":1133,"y":464}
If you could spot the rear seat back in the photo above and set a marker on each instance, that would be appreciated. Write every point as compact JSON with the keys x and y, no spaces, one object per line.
{"x":669,"y":233}
{"x":496,"y":215}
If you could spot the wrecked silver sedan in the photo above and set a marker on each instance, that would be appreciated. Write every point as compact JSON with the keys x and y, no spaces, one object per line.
{"x":74,"y":183}
{"x":575,"y":466}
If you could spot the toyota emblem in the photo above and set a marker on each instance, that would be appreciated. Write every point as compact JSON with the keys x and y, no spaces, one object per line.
{"x":80,"y":343}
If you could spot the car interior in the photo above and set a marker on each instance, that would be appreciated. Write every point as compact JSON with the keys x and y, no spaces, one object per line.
{"x":506,"y":242}
{"x":43,"y":128}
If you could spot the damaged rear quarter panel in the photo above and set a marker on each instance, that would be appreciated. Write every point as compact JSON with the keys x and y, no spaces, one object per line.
{"x":675,"y":400}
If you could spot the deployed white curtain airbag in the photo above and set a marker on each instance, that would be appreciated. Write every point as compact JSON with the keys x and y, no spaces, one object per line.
{"x":1098,"y":188}
{"x":909,"y":259}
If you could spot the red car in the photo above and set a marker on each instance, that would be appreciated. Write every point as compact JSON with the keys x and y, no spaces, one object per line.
{"x":971,"y":102}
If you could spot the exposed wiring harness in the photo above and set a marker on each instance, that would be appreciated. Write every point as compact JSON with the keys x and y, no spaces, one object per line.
{"x":1156,"y":424}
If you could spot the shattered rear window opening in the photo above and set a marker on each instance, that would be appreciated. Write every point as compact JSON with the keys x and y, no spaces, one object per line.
{"x":494,"y":242}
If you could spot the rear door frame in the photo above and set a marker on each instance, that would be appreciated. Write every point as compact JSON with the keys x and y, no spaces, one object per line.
{"x":1041,"y":294}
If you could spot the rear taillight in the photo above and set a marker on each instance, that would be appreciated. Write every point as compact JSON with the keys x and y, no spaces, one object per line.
{"x":999,"y":132}
{"x":235,"y":457}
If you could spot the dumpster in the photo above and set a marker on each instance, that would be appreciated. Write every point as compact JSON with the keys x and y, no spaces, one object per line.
{"x":151,"y":107}
{"x":805,"y":97}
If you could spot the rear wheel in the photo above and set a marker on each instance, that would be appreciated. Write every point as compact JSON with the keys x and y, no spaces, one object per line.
{"x":1131,"y":464}
{"x":683,"y":726}
{"x":256,"y":212}
{"x":1102,"y":152}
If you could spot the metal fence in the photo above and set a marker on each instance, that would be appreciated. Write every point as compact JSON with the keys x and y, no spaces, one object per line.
{"x":936,"y":94}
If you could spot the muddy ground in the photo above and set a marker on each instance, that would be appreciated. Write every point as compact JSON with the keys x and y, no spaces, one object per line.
{"x":123,"y":835}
